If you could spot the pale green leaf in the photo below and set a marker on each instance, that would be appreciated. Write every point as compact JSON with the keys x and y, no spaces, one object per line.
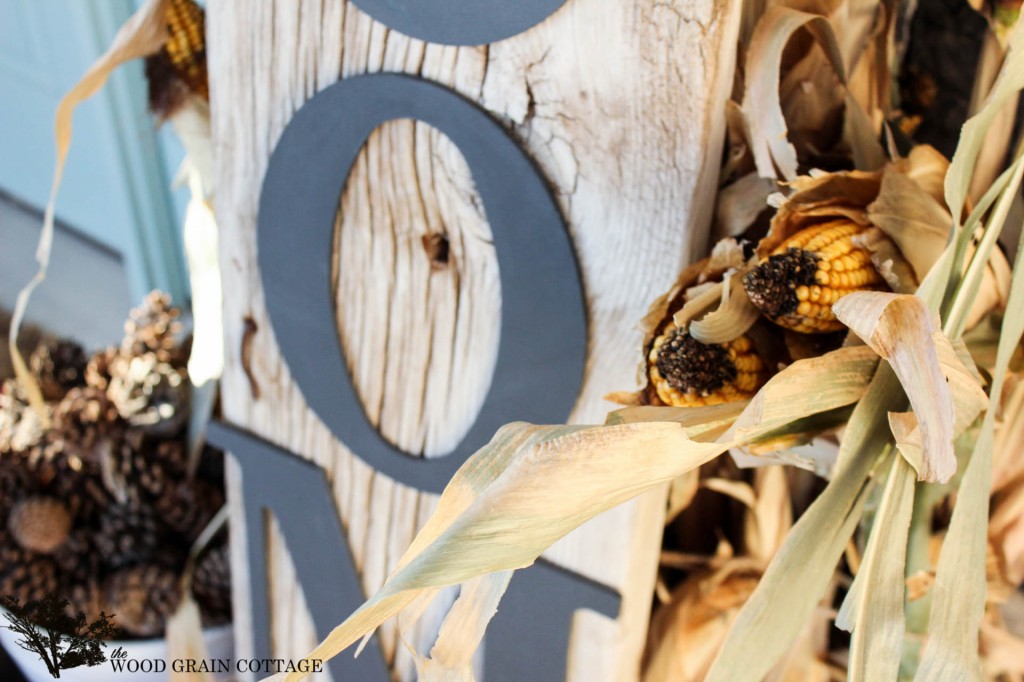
{"x":873,"y":609}
{"x":695,"y":420}
{"x":531,"y":485}
{"x":803,"y":568}
{"x":963,"y":240}
{"x":515,"y":497}
{"x":958,"y":596}
{"x":966,"y":294}
{"x":972,"y":135}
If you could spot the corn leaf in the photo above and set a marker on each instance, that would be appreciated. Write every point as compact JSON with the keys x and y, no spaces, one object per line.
{"x":969,"y":399}
{"x":510,"y":502}
{"x":873,"y":608}
{"x":792,"y":586}
{"x":859,"y":133}
{"x":966,"y":294}
{"x":770,"y":519}
{"x":807,"y":386}
{"x":737,"y":490}
{"x":1009,"y":82}
{"x":965,"y":236}
{"x":965,"y":383}
{"x":899,"y":328}
{"x":451,"y":657}
{"x":907,"y":433}
{"x":958,"y":597}
{"x":698,"y":304}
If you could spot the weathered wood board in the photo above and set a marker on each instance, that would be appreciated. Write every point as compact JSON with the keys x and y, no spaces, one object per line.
{"x":619,"y":103}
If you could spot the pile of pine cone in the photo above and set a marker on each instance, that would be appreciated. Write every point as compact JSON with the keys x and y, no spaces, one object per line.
{"x":100,"y":507}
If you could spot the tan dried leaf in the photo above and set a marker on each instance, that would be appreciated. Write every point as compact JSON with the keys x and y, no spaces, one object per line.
{"x":917,"y":223}
{"x":740,"y":203}
{"x":836,"y":379}
{"x":900,"y":329}
{"x":733,"y":317}
{"x":762,"y":107}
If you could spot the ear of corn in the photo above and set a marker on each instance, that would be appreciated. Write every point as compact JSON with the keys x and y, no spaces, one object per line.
{"x":687,"y":373}
{"x":797,"y":284}
{"x":177,"y":72}
{"x":186,"y":43}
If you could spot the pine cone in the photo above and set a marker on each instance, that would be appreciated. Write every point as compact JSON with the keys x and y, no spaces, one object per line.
{"x":211,"y":584}
{"x":149,"y":393}
{"x":62,"y":473}
{"x":40,"y":523}
{"x":83,"y":419}
{"x":143,"y":468}
{"x":187,"y":506}
{"x":14,"y":481}
{"x":24,"y":574}
{"x":127,"y":536}
{"x":141,"y":598}
{"x":97,"y":372}
{"x":153,"y":328}
{"x":59,"y":366}
{"x":84,"y":597}
{"x":78,"y":559}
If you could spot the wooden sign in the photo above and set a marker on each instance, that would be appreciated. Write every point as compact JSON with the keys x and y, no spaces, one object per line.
{"x":476,"y":240}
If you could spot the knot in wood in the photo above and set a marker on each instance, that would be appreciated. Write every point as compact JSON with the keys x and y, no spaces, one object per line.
{"x":438,"y":250}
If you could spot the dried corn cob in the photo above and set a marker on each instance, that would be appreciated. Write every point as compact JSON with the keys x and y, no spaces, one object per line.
{"x":687,"y":373}
{"x":179,"y":68}
{"x":797,"y":284}
{"x":186,"y":44}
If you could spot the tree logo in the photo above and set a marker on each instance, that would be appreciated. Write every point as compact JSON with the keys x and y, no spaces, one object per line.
{"x":62,"y":641}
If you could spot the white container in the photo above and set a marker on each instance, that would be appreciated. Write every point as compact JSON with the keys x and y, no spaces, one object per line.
{"x":219,"y":640}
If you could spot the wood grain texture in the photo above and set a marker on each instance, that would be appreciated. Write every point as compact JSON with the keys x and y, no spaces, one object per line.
{"x":620,"y":104}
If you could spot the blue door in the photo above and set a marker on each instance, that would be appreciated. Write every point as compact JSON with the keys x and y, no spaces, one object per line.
{"x":116,"y":183}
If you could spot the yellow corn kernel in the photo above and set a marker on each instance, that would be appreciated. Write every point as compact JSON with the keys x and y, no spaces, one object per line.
{"x":186,"y":43}
{"x":687,"y":373}
{"x":797,"y":284}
